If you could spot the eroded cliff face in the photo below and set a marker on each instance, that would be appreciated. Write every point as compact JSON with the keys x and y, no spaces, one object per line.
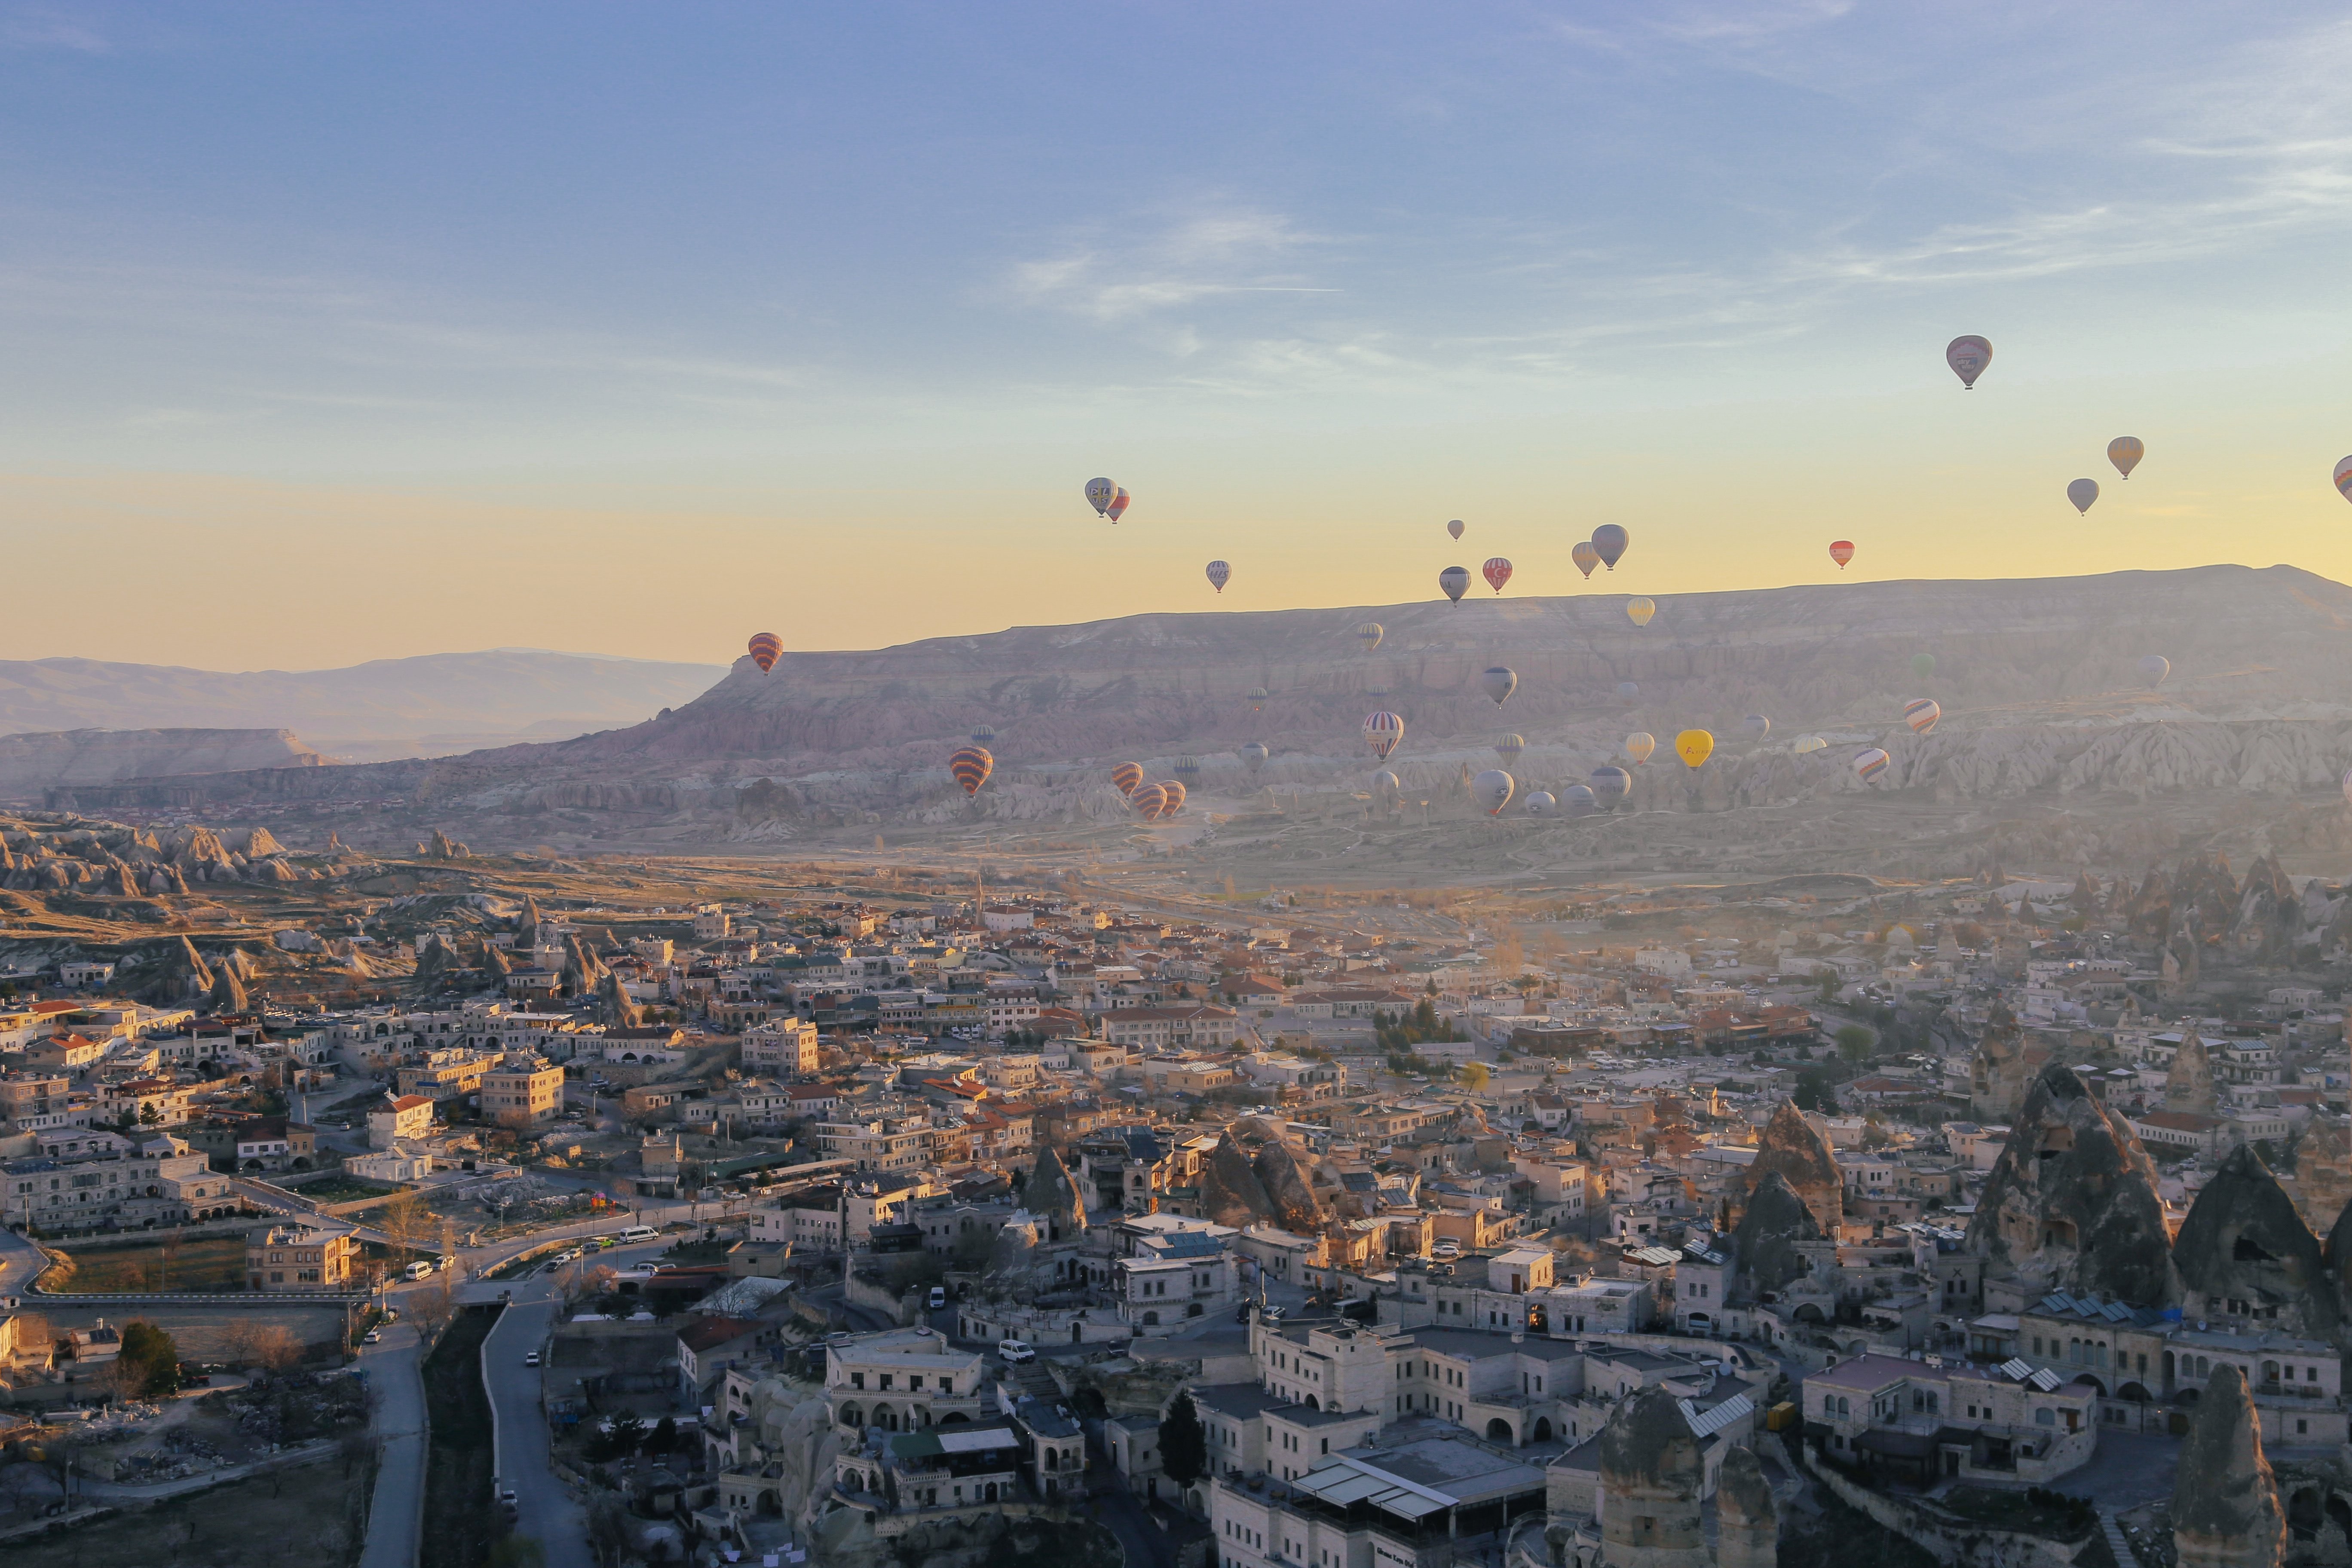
{"x":1766,"y":1240}
{"x":2072,"y":1204}
{"x":2244,"y":1244}
{"x":31,"y":765}
{"x":2225,"y":1501}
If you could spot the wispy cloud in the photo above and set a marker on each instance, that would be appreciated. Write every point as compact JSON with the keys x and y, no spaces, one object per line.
{"x":1170,"y":264}
{"x":43,"y":29}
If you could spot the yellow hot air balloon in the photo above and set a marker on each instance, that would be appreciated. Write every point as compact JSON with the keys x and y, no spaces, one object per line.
{"x":1639,"y":745}
{"x":1694,"y":747}
{"x":1641,"y":610}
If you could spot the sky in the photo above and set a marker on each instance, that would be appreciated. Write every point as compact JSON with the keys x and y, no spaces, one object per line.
{"x":336,"y":334}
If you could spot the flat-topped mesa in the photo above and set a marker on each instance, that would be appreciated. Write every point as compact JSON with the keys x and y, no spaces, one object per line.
{"x":2225,"y":1501}
{"x":2246,"y":1258}
{"x":2073,"y":1171}
{"x":1794,"y":1149}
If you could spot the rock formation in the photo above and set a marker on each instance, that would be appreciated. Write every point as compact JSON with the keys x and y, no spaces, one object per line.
{"x":614,"y":1006}
{"x":2189,"y":1082}
{"x":1794,"y":1149}
{"x":2323,"y":1170}
{"x":1053,"y":1196}
{"x":1651,"y":1474}
{"x":32,"y":764}
{"x":1231,"y":1192}
{"x":2243,"y":1242}
{"x":2225,"y":1501}
{"x":2073,"y":1171}
{"x":1766,"y":1240}
{"x":1291,"y":1200}
{"x":1746,"y":1519}
{"x":1998,"y":1072}
{"x":527,"y":924}
{"x":227,"y":995}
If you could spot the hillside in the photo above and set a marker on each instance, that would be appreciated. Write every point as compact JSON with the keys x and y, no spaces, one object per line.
{"x":32,"y":763}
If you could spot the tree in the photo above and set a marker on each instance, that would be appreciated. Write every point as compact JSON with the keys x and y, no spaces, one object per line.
{"x":1183,"y":1443}
{"x":1853,"y":1043}
{"x":1475,"y":1077}
{"x":150,"y":1361}
{"x":665,"y":1438}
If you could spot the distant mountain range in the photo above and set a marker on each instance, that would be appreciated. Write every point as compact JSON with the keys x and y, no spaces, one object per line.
{"x":387,"y":708}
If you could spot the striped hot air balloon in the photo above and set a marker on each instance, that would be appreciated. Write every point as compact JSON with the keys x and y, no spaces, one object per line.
{"x":1118,"y":503}
{"x":1253,"y":756}
{"x":1369,"y":635}
{"x":1497,"y":571}
{"x":1921,"y":713}
{"x":1509,"y":749}
{"x":1841,"y":551}
{"x":1869,"y":765}
{"x":1128,"y":777}
{"x":766,"y":649}
{"x":1257,"y":696}
{"x":1383,"y":732}
{"x":1172,"y":791}
{"x":1189,"y":770}
{"x":1151,"y":802}
{"x":1585,"y":556}
{"x":971,"y":765}
{"x":984,"y":735}
{"x":1219,"y":574}
{"x":1639,"y":611}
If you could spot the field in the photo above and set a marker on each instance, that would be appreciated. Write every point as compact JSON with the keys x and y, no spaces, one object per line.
{"x":307,"y":1516}
{"x":208,"y":1263}
{"x":208,"y":1333}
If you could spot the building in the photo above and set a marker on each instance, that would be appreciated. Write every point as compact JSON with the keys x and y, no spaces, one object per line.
{"x":409,"y":1117}
{"x":903,"y":1380}
{"x":523,"y":1093}
{"x":299,"y":1258}
{"x":1414,"y":1504}
{"x":105,"y":1181}
{"x":781,"y":1044}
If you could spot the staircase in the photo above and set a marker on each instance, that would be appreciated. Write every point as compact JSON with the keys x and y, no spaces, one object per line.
{"x":2117,"y":1542}
{"x":1030,"y":1380}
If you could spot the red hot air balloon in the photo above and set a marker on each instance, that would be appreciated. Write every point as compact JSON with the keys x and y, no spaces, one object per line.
{"x":1497,"y":572}
{"x":970,"y":766}
{"x":1841,"y":552}
{"x":1128,"y":777}
{"x":1174,"y":790}
{"x":1118,"y":503}
{"x":766,"y":649}
{"x":1151,"y":802}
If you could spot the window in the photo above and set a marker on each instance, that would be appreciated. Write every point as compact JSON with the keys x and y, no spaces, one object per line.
{"x":2045,"y":1417}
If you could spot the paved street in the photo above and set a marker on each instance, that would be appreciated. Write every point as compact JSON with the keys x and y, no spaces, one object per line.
{"x":545,"y":1508}
{"x":395,"y":1511}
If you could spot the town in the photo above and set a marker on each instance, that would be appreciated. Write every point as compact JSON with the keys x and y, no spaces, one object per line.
{"x":892,"y":1213}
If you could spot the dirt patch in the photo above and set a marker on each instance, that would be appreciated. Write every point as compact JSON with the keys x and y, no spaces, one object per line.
{"x":207,"y":1263}
{"x":305,"y":1517}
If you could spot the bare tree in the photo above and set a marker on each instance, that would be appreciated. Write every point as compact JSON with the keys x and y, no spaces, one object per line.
{"x":429,"y":1308}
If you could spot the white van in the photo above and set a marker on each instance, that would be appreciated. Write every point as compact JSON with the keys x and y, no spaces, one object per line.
{"x":420,"y":1270}
{"x":637,"y":1233}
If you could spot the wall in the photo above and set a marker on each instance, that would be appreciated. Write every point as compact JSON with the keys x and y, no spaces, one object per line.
{"x":1951,"y":1540}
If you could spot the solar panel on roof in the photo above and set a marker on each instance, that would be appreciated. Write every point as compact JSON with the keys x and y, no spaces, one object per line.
{"x":2016,"y":1366}
{"x":1704,"y":1423}
{"x":2045,"y":1380}
{"x":1406,"y":1504}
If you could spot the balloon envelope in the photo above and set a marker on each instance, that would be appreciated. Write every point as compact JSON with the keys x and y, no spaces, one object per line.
{"x":1387,"y":782}
{"x":1369,"y":634}
{"x":1585,"y":556}
{"x":1608,"y":542}
{"x":1694,"y":747}
{"x":1455,"y":582}
{"x":1841,"y":551}
{"x":1099,"y":493}
{"x":1541,"y":803}
{"x":1756,"y":726}
{"x":1497,"y":571}
{"x":1509,"y":748}
{"x":1151,"y":802}
{"x":2343,"y":478}
{"x":2083,"y":492}
{"x":2153,"y":669}
{"x":1610,"y":784}
{"x":1188,"y":769}
{"x":1455,"y":528}
{"x":1174,"y":791}
{"x":1921,"y":713}
{"x":1627,"y":691}
{"x":970,"y":766}
{"x":1381,"y":732}
{"x":2125,"y":452}
{"x":1809,"y":743}
{"x":1220,"y":574}
{"x":1869,"y":765}
{"x":1639,"y":745}
{"x":1118,"y":503}
{"x":984,"y":735}
{"x":1128,"y":778}
{"x":1641,"y":610}
{"x":1492,"y":789}
{"x":1967,"y":356}
{"x":766,"y":649}
{"x":1257,"y":696}
{"x":1498,"y":683}
{"x":1577,"y":800}
{"x":1253,"y":756}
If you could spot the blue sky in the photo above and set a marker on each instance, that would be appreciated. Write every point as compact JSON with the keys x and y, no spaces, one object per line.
{"x":712,"y":304}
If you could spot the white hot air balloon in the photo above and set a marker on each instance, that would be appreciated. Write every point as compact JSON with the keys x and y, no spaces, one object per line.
{"x":1542,"y":804}
{"x":1492,"y":790}
{"x":2153,"y":669}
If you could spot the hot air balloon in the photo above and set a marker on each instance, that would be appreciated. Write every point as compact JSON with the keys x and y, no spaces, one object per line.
{"x":1219,"y":576}
{"x":970,"y":766}
{"x":1498,"y":683}
{"x":1639,"y":745}
{"x":1151,"y":802}
{"x":1756,"y":726}
{"x":1188,"y":769}
{"x":1627,"y":691}
{"x":1455,"y":582}
{"x":1257,"y":696}
{"x":1577,"y":800}
{"x":1640,"y":611}
{"x":2153,"y":669}
{"x":2083,"y":492}
{"x":1492,"y":789}
{"x":1608,"y":542}
{"x":1967,"y":356}
{"x":1585,"y":556}
{"x":1610,"y":784}
{"x":1174,"y":790}
{"x":1923,"y":665}
{"x":1378,"y":689}
{"x":1128,"y":778}
{"x":1497,"y":571}
{"x":1807,"y":745}
{"x":1455,"y":528}
{"x":1869,"y":765}
{"x":2343,"y":478}
{"x":1694,"y":747}
{"x":766,"y":649}
{"x":983,"y":735}
{"x":1368,"y":633}
{"x":1386,"y":782}
{"x":1841,"y":551}
{"x":1541,"y":803}
{"x":1098,"y":494}
{"x":1381,"y":732}
{"x":1509,"y":749}
{"x":1118,"y":504}
{"x":1921,"y":713}
{"x":1254,"y":754}
{"x":2125,"y":452}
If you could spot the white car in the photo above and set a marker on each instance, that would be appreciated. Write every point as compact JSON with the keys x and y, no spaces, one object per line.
{"x":532,"y":1359}
{"x":1446,"y":1249}
{"x":1013,"y":1352}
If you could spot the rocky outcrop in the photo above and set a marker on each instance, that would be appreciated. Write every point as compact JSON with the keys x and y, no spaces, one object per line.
{"x":227,"y":995}
{"x":2188,"y":1081}
{"x":1651,"y":1473}
{"x":2243,"y":1243}
{"x":1768,"y":1235}
{"x":2072,"y":1204}
{"x":1794,"y":1149}
{"x":2323,"y":1170}
{"x":1746,"y":1517}
{"x":1998,"y":1073}
{"x":1291,"y":1200}
{"x":614,"y":1006}
{"x":2225,"y":1500}
{"x":1231,"y":1192}
{"x":1052,"y":1195}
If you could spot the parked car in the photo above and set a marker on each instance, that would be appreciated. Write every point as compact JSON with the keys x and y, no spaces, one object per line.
{"x":1013,"y":1352}
{"x":939,"y":1296}
{"x":373,"y":1336}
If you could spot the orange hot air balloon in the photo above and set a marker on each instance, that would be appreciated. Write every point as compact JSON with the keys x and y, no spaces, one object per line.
{"x":766,"y":649}
{"x":1128,"y":777}
{"x":970,"y":766}
{"x":1841,"y":552}
{"x":1174,"y":790}
{"x":1151,"y":802}
{"x":1497,"y":571}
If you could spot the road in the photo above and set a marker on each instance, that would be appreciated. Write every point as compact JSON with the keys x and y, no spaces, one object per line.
{"x":545,"y":1508}
{"x":396,"y":1510}
{"x":20,"y":1260}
